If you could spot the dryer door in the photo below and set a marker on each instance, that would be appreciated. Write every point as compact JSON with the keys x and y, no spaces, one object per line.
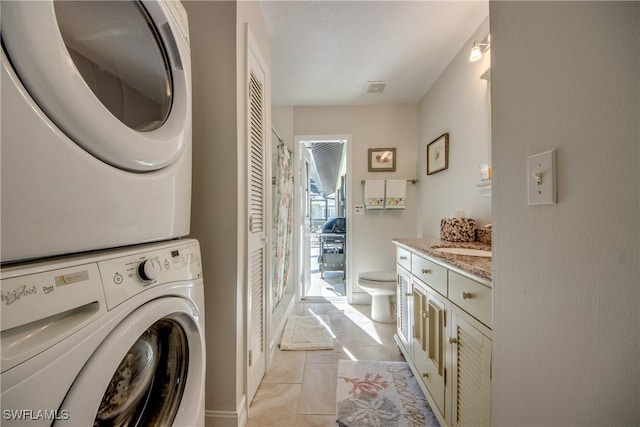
{"x":148,"y":372}
{"x":113,"y":75}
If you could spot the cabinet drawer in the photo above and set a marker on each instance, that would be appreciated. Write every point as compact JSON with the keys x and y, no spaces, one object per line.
{"x":403,"y":258}
{"x":472,"y":297}
{"x":430,"y":273}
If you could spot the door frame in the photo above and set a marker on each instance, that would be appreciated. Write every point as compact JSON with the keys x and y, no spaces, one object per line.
{"x":298,"y":141}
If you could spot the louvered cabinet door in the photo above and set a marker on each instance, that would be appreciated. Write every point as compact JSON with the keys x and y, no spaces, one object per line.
{"x":471,"y":376}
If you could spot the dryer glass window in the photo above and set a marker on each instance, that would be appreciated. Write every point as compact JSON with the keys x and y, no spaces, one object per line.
{"x":147,"y":387}
{"x":120,"y":55}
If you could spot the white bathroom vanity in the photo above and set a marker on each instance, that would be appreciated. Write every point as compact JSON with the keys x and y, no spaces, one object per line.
{"x":444,"y":309}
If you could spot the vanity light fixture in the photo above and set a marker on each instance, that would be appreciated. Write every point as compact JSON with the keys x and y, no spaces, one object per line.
{"x":478,"y":48}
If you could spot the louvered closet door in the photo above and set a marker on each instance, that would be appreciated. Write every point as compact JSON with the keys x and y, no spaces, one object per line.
{"x":256,"y":204}
{"x":471,"y":372}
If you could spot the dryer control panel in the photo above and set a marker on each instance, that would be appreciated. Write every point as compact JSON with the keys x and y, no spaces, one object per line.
{"x":129,"y":275}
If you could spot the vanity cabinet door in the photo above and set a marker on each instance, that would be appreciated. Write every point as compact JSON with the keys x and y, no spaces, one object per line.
{"x":428,"y":340}
{"x":471,"y":371}
{"x":404,"y":308}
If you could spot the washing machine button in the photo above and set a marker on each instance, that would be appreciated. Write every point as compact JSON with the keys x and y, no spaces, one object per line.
{"x":118,"y":279}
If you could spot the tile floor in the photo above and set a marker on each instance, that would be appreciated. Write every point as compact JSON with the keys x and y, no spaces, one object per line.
{"x":300,"y":387}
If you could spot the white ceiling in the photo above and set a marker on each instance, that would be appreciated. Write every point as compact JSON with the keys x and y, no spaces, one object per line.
{"x":323,"y":53}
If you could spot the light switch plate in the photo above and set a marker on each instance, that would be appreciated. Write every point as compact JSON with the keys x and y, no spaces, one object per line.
{"x":358,"y":209}
{"x":541,"y":178}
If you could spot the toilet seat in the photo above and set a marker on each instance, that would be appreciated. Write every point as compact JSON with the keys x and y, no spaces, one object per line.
{"x":378,"y":276}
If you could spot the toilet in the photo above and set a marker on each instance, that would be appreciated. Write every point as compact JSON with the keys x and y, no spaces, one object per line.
{"x":381,"y":285}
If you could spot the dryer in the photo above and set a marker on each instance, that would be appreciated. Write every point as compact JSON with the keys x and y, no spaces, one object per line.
{"x":111,"y":338}
{"x":96,"y":125}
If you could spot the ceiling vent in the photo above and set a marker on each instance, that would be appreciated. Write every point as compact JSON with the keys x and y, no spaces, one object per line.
{"x":376,"y":87}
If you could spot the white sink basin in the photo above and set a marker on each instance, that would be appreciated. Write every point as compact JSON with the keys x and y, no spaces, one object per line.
{"x":465,"y":251}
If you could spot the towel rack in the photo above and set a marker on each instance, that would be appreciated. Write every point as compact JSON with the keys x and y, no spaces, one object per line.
{"x":412,"y":181}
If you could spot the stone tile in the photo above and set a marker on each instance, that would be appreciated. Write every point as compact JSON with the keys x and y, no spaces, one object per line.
{"x":315,"y":421}
{"x":318,"y":396}
{"x":330,"y":356}
{"x":275,"y":404}
{"x":389,"y":353}
{"x":289,"y":421}
{"x":326,"y":307}
{"x":352,"y":348}
{"x":354,"y":329}
{"x":385,"y":331}
{"x":287,"y":367}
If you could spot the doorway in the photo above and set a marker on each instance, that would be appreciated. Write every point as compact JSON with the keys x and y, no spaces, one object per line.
{"x":322,"y":220}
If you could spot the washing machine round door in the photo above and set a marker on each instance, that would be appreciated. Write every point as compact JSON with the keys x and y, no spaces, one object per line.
{"x":114,"y":76}
{"x":148,"y":372}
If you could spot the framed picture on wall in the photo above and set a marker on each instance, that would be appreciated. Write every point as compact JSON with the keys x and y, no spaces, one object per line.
{"x":382,"y":159}
{"x":438,"y":154}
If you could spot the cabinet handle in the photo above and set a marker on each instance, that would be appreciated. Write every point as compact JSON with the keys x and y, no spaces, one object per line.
{"x":467,"y":295}
{"x":425,"y":314}
{"x":426,"y":271}
{"x":409,"y":294}
{"x":425,"y":375}
{"x":453,"y":340}
{"x":402,"y":257}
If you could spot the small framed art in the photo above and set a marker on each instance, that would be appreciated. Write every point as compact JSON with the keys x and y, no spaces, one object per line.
{"x":438,"y":154}
{"x":382,"y":159}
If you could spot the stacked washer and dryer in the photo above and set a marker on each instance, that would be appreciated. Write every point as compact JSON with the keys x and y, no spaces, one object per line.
{"x":102,"y":297}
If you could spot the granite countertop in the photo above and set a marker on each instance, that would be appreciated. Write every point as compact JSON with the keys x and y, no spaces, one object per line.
{"x":474,"y":265}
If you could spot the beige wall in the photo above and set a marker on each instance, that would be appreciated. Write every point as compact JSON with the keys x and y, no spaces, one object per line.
{"x":457,"y":103}
{"x":371,"y":126}
{"x":282,"y":122}
{"x":218,"y":50}
{"x":213,"y":52}
{"x":566,"y":276}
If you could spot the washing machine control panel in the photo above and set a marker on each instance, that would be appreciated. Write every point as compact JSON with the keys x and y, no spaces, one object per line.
{"x":127,"y":276}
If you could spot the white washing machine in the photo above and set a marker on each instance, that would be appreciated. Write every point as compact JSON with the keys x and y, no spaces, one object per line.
{"x":112,"y":338}
{"x":96,"y":125}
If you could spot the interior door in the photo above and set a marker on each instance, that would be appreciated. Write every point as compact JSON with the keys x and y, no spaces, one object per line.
{"x":257,"y":140}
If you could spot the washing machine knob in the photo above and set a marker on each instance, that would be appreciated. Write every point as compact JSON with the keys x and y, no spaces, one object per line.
{"x":149,"y":270}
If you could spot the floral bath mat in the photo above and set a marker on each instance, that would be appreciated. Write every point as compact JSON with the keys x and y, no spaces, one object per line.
{"x":380,"y":394}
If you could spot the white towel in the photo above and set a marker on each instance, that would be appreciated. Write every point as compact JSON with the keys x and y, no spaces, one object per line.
{"x":374,"y":194}
{"x":396,"y":194}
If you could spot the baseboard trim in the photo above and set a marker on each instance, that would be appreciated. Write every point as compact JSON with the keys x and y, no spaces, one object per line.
{"x":236,"y":418}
